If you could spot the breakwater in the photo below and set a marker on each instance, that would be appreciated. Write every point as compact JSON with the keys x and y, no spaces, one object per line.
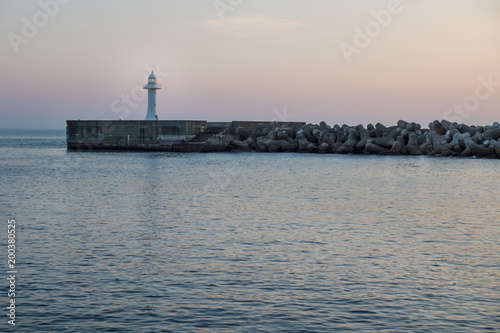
{"x":442,"y":138}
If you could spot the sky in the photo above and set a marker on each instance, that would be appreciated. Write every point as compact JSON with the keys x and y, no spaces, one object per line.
{"x":352,"y":61}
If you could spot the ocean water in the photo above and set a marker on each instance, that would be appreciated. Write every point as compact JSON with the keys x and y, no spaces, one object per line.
{"x":248,"y":242}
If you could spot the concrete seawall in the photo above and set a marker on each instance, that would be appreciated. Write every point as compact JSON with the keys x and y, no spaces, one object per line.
{"x":157,"y":135}
{"x":441,"y":138}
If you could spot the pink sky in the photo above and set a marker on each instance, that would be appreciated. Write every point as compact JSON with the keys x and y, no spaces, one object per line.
{"x":256,"y":60}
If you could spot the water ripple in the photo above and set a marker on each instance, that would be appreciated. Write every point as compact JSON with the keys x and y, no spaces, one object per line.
{"x":153,"y":242}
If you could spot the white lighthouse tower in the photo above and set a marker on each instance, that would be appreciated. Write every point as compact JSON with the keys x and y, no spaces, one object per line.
{"x":151,"y":87}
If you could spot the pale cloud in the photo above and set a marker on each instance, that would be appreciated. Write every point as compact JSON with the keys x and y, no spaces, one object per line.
{"x":248,"y":26}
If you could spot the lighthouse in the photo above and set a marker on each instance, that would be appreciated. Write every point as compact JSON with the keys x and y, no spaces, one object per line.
{"x":151,"y":86}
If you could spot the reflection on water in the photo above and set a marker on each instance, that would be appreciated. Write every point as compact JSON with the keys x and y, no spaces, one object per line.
{"x":250,"y":242}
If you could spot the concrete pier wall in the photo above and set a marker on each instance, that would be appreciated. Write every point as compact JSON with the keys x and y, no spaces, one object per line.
{"x":156,"y":135}
{"x":131,"y":134}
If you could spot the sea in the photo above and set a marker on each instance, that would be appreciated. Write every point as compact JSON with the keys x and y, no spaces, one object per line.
{"x":246,"y":242}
